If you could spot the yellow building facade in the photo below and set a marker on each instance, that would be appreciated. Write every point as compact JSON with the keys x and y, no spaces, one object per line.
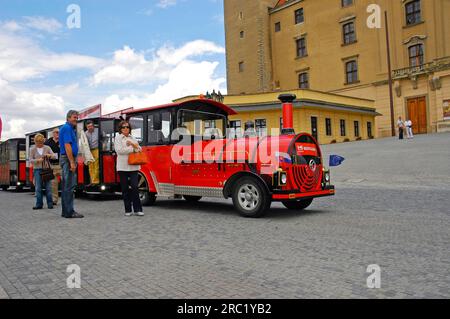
{"x":339,"y":46}
{"x":331,"y":118}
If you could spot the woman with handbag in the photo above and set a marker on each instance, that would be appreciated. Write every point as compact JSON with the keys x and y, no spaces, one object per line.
{"x":40,"y":156}
{"x":126,"y":147}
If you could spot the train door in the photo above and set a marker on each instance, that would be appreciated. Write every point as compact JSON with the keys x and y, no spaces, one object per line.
{"x":203,"y":142}
{"x":107,"y":155}
{"x":155,"y":135}
{"x":22,"y":174}
{"x":4,"y":167}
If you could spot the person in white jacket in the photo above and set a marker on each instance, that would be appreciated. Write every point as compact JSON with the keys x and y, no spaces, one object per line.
{"x":124,"y":145}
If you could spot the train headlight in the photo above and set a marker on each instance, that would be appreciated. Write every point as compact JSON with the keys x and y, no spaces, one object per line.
{"x":19,"y":183}
{"x":103,"y":188}
{"x":283,"y":178}
{"x":327,"y":177}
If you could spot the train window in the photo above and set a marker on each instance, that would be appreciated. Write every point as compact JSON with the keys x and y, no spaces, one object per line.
{"x":208,"y":125}
{"x":159,"y":128}
{"x":137,"y":125}
{"x":107,"y":135}
{"x":13,"y":151}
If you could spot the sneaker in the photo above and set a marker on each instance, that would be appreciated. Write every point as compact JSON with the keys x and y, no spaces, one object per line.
{"x":128,"y":214}
{"x":140,"y":214}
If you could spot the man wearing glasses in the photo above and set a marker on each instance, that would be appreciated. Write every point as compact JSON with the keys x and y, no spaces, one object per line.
{"x":69,"y":152}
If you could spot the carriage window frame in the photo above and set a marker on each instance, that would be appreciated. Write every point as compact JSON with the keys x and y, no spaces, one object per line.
{"x":110,"y":135}
{"x":142,"y":139}
{"x":157,"y":118}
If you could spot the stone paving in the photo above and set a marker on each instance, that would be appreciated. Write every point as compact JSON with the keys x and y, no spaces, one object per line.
{"x":391,"y":209}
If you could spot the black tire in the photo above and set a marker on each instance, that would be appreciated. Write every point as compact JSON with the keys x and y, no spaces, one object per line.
{"x":192,"y":199}
{"x":5,"y":188}
{"x":79,"y":193}
{"x":298,"y":205}
{"x":250,"y":197}
{"x":147,"y":198}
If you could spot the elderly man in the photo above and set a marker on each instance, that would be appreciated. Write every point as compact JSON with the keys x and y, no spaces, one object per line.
{"x":92,"y":136}
{"x":53,"y":143}
{"x":69,"y":152}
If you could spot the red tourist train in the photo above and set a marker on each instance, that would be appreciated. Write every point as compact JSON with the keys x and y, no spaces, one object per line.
{"x":12,"y":164}
{"x":189,"y":156}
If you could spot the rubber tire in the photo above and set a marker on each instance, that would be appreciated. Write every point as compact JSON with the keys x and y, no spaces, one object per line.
{"x":147,"y":199}
{"x":192,"y":199}
{"x":298,"y":205}
{"x":264,"y":203}
{"x":5,"y":188}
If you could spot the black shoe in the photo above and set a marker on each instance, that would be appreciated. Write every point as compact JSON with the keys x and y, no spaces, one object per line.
{"x":37,"y":208}
{"x":55,"y":203}
{"x":50,"y":207}
{"x":76,"y":215}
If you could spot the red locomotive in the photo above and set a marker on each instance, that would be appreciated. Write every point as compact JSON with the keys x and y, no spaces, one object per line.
{"x":12,"y":164}
{"x":190,"y":156}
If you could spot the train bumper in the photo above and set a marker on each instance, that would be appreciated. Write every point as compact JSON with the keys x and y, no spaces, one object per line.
{"x":294,"y":195}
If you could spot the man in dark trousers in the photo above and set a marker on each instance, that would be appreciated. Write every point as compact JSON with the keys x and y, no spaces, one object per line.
{"x":53,"y":143}
{"x":69,"y":152}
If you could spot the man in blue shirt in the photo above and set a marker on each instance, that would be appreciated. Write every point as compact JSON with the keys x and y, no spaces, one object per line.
{"x":69,"y":152}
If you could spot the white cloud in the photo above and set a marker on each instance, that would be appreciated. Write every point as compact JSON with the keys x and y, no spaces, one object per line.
{"x":23,"y":59}
{"x":187,"y":78}
{"x":166,"y":3}
{"x":26,"y":111}
{"x":49,"y":25}
{"x":129,"y":66}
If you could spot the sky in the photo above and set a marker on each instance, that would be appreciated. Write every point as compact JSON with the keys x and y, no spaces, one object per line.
{"x":57,"y":55}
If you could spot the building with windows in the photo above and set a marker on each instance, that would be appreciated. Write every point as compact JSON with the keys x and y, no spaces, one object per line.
{"x":339,"y":47}
{"x":330,"y":118}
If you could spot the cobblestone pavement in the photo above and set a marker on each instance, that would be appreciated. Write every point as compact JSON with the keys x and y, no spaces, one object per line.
{"x":391,"y":209}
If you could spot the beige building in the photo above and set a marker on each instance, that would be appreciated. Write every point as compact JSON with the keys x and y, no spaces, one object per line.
{"x":328,"y":45}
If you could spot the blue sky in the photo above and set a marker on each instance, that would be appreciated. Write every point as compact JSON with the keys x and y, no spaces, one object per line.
{"x":126,"y":53}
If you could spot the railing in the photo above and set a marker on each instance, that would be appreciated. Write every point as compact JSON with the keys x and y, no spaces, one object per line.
{"x":436,"y":65}
{"x":413,"y":70}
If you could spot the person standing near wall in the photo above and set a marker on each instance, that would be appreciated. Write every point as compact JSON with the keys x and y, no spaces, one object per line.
{"x":409,"y":129}
{"x":401,"y":128}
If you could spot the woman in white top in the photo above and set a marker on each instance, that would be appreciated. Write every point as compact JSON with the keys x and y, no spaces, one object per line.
{"x":124,"y":145}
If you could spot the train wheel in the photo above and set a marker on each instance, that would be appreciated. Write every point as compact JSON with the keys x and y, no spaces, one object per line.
{"x":298,"y":205}
{"x":147,"y":198}
{"x":192,"y":199}
{"x":5,"y":188}
{"x":251,"y":198}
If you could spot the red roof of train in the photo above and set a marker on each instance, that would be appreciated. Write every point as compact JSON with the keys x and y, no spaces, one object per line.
{"x":221,"y":106}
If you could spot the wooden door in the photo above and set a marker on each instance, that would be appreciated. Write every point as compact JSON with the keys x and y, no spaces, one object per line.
{"x":417,"y":113}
